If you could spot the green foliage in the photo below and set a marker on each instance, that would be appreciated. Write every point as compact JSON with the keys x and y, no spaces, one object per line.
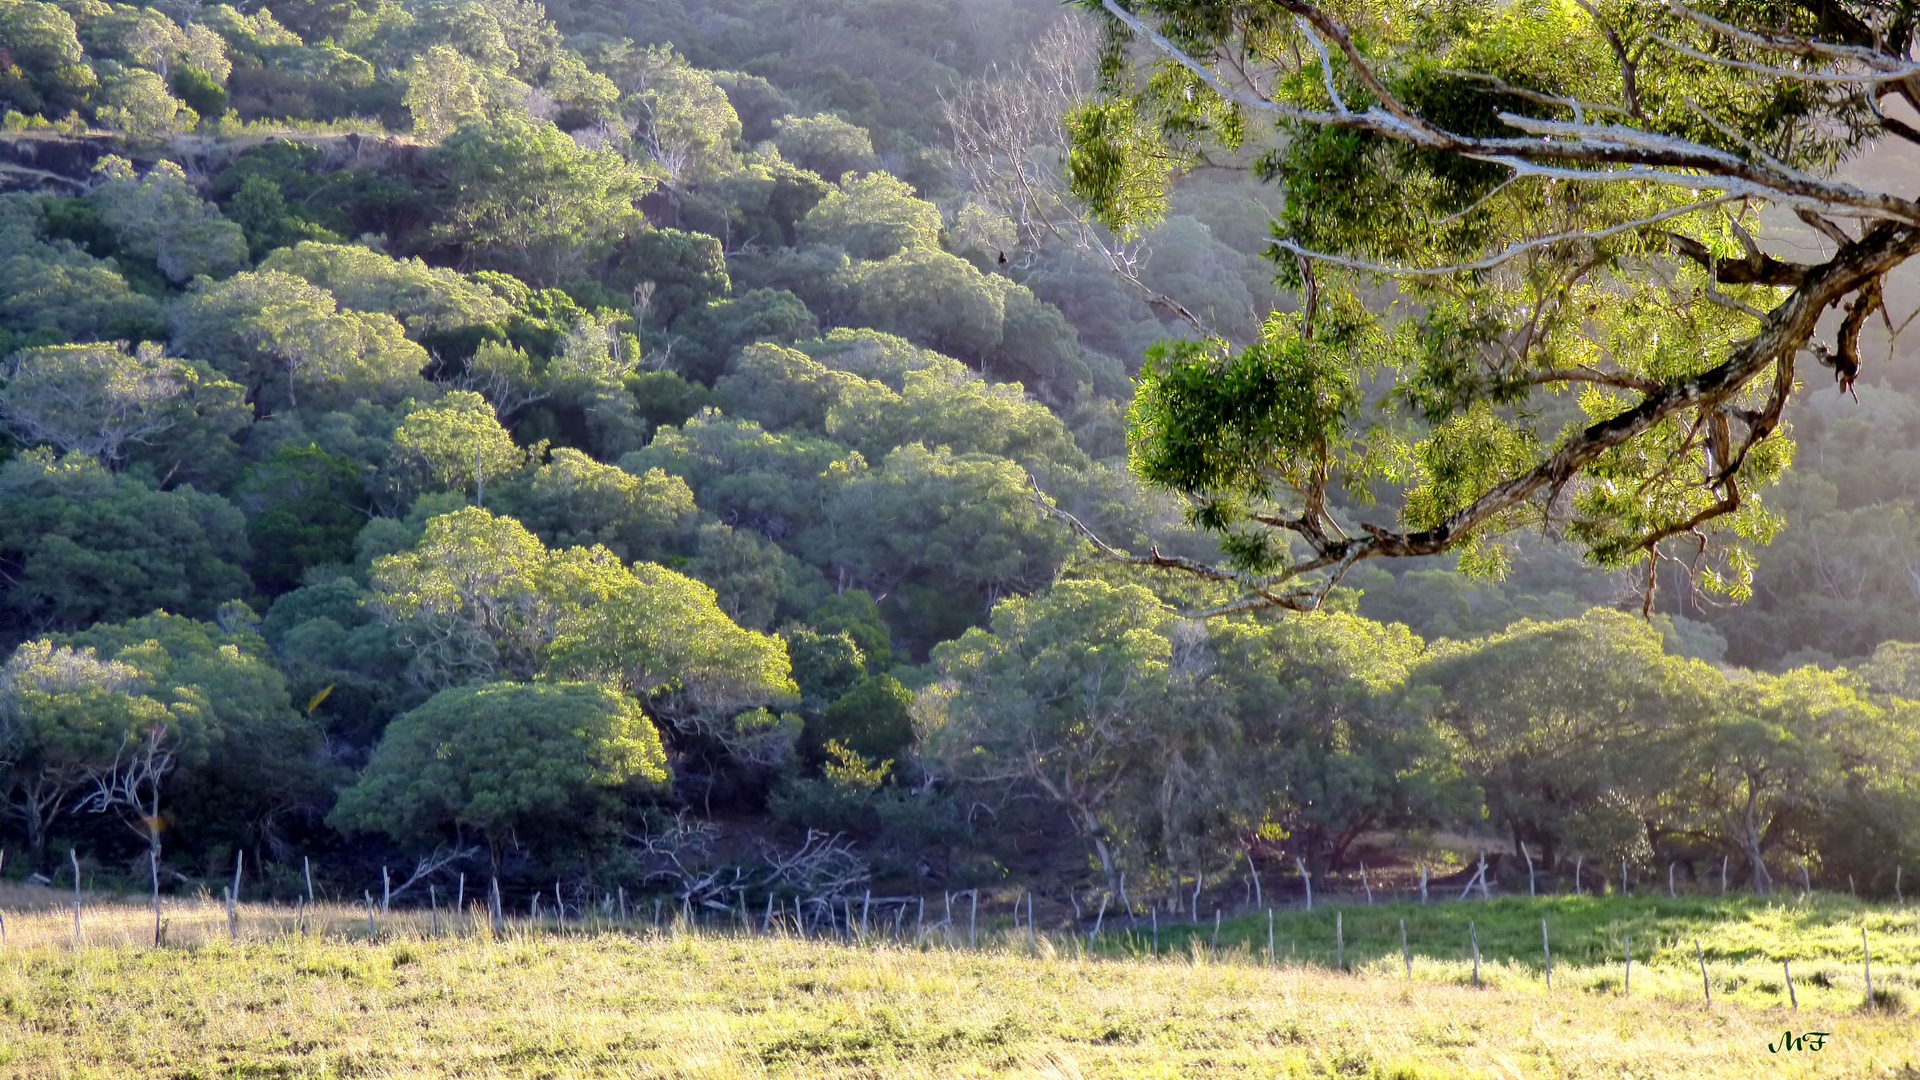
{"x":662,"y":637}
{"x":873,"y":720}
{"x":54,"y":293}
{"x":1238,"y":430}
{"x":664,"y":399}
{"x":136,"y":101}
{"x":747,"y":573}
{"x":198,"y":90}
{"x":961,"y":523}
{"x":684,"y":270}
{"x":854,"y":613}
{"x":455,"y":445}
{"x":84,"y":545}
{"x":286,"y":341}
{"x":64,"y":713}
{"x":304,"y":508}
{"x":825,"y":665}
{"x":49,"y":72}
{"x":873,"y":217}
{"x":246,"y":757}
{"x":1572,"y":729}
{"x":428,"y":300}
{"x":542,"y":761}
{"x":480,"y":597}
{"x":760,"y":203}
{"x":95,"y":399}
{"x":708,"y":337}
{"x":1066,"y":695}
{"x":573,"y":501}
{"x":445,"y":91}
{"x":682,"y":122}
{"x":932,"y":298}
{"x":1331,"y":746}
{"x":523,"y":197}
{"x":825,"y":145}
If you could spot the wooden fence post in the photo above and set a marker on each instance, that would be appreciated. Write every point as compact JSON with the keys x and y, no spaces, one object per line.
{"x":74,"y":856}
{"x":1405,"y":952}
{"x":1866,"y":960}
{"x":306,"y":868}
{"x":1547,"y":947}
{"x":386,"y":891}
{"x":1423,"y":883}
{"x":1474,"y":937}
{"x":153,"y":875}
{"x":1705,"y":986}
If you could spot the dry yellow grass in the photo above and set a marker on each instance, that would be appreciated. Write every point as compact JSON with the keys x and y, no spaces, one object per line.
{"x":276,"y":1004}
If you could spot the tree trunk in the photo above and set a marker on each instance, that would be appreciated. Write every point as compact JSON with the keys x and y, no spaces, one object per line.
{"x":36,"y":814}
{"x":1092,"y":826}
{"x":1748,"y":839}
{"x":1344,"y":840}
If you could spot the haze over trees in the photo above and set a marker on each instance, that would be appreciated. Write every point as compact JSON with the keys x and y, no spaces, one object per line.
{"x":494,"y":429}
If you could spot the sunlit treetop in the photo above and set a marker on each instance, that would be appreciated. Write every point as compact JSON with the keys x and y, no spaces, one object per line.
{"x":1522,"y":237}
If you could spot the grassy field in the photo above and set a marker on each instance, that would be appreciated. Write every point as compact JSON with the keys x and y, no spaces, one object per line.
{"x":593,"y":1000}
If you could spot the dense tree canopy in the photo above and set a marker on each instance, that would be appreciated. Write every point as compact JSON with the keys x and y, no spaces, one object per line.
{"x":505,"y":760}
{"x":581,"y":389}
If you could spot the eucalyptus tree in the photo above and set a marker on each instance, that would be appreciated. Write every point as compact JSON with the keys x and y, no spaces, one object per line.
{"x":505,"y":760}
{"x":1566,"y":199}
{"x":481,"y":598}
{"x":91,"y":399}
{"x":1576,"y":730}
{"x":64,"y":713}
{"x":1065,"y":696}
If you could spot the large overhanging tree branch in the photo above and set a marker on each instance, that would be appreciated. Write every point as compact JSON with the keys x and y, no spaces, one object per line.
{"x":1584,"y":333}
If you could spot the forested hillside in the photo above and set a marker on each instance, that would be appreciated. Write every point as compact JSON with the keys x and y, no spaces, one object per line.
{"x":603,"y":441}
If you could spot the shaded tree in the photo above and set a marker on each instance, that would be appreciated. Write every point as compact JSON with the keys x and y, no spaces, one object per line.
{"x":531,"y":761}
